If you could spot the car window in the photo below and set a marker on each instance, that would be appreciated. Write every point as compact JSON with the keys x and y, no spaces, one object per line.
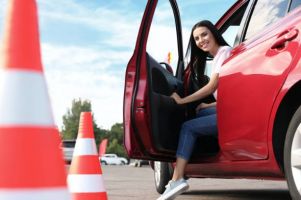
{"x":295,"y":4}
{"x":265,"y":13}
{"x":162,"y":40}
{"x":230,"y":28}
{"x":68,"y":144}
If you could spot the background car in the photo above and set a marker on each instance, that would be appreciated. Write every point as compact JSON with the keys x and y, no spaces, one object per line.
{"x":259,"y":92}
{"x":139,"y":163}
{"x":68,"y":149}
{"x":113,"y":159}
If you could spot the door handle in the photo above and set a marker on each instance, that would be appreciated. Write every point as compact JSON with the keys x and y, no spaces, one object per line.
{"x":284,"y":37}
{"x":292,"y":34}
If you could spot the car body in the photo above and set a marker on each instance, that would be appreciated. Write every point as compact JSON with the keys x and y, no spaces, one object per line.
{"x":113,"y":159}
{"x":259,"y":96}
{"x":68,"y":149}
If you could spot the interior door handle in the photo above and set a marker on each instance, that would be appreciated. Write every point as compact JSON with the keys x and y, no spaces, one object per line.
{"x":284,"y":37}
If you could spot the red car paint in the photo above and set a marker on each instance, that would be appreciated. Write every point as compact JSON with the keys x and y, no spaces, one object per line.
{"x":258,"y":87}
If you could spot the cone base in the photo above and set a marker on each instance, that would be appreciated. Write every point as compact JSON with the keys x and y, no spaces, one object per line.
{"x":90,"y":196}
{"x":60,"y":193}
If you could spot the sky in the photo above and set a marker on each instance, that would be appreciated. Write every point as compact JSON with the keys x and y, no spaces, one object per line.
{"x":86,"y":45}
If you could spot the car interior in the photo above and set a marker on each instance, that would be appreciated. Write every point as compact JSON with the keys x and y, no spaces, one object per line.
{"x":170,"y":116}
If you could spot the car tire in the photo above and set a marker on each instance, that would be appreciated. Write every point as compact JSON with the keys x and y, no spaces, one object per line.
{"x":162,"y":174}
{"x":122,"y":163}
{"x":103,"y":162}
{"x":292,"y":155}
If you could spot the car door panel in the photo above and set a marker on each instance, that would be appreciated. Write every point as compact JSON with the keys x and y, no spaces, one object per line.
{"x":249,"y":85}
{"x":157,"y":117}
{"x":166,"y":115}
{"x":152,"y":119}
{"x":135,"y":77}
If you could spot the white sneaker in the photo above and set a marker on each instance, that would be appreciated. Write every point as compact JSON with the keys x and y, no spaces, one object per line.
{"x":174,"y":188}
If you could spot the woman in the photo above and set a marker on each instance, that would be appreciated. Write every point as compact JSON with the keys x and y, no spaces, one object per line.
{"x":206,"y":40}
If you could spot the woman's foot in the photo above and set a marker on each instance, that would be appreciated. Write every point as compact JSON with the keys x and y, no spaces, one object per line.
{"x":174,"y":188}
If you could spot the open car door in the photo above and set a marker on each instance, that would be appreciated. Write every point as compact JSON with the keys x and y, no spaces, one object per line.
{"x":152,"y":120}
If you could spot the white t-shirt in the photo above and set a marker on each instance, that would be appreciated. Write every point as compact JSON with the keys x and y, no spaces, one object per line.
{"x":222,"y":54}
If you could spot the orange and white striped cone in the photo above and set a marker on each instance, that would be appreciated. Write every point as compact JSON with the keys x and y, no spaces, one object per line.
{"x":85,"y":175}
{"x":31,"y":162}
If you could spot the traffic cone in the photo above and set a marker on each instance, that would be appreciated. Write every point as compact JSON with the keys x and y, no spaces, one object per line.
{"x":103,"y":147}
{"x":85,"y":175}
{"x":31,"y":162}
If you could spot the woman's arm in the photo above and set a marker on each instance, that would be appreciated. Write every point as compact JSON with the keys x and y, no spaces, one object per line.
{"x":201,"y":93}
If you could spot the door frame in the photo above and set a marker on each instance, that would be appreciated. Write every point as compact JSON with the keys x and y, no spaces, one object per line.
{"x":138,"y":100}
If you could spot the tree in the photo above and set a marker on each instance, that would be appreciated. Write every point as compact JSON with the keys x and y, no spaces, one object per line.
{"x":117,"y":133}
{"x":71,"y":123}
{"x":115,"y":147}
{"x":100,"y":134}
{"x":115,"y":137}
{"x":71,"y":118}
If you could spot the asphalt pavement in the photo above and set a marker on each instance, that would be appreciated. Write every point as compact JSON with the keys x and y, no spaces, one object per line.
{"x":134,"y":183}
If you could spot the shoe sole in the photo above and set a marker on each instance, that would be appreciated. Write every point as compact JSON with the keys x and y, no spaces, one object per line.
{"x":177,"y":190}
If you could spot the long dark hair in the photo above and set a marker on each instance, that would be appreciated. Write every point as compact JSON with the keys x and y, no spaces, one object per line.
{"x":198,"y":57}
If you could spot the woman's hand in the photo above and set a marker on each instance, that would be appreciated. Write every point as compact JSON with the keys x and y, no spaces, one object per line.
{"x":200,"y":107}
{"x":203,"y":106}
{"x":177,"y":98}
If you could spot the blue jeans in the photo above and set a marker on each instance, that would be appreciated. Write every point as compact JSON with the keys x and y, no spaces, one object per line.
{"x":205,"y":123}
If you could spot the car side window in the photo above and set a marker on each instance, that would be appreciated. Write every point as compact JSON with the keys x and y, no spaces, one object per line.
{"x":295,"y":4}
{"x":230,"y":28}
{"x":162,"y":40}
{"x":265,"y":13}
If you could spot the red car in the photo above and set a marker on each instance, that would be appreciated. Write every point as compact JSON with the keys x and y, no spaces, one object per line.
{"x":259,"y":112}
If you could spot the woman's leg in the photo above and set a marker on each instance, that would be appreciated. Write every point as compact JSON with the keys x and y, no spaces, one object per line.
{"x":206,"y":111}
{"x":179,"y":168}
{"x":189,"y":132}
{"x":205,"y":125}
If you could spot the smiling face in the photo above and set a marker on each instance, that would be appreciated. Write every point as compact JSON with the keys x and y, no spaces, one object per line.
{"x":204,"y":40}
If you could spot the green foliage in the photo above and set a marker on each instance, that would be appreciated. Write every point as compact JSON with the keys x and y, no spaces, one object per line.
{"x":115,"y":147}
{"x":115,"y":137}
{"x":100,"y":134}
{"x":117,"y":133}
{"x":71,"y":118}
{"x":71,"y":122}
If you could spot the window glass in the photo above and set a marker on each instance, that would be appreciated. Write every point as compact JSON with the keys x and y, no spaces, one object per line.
{"x":295,"y":4}
{"x":265,"y":13}
{"x":230,"y":34}
{"x":232,"y":25}
{"x":162,"y":40}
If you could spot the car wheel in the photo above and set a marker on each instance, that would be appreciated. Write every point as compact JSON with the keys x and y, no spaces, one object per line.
{"x":292,"y":155}
{"x":122,"y":163}
{"x":103,"y":162}
{"x":162,"y":173}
